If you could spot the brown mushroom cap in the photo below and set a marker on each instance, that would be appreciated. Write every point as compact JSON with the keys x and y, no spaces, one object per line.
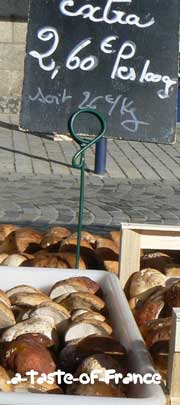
{"x":148,"y":311}
{"x":107,"y":252}
{"x":43,"y":325}
{"x":53,"y":236}
{"x":68,"y":244}
{"x":80,"y":300}
{"x":156,"y":331}
{"x":21,"y":240}
{"x":172,"y":295}
{"x":72,"y":355}
{"x":116,"y":237}
{"x":84,"y":328}
{"x":156,"y":260}
{"x":58,"y":317}
{"x":47,"y":261}
{"x":28,"y":299}
{"x":22,"y":288}
{"x":3,"y":256}
{"x":87,"y":252}
{"x":5,"y":230}
{"x":85,"y":236}
{"x":78,"y":312}
{"x":100,"y":362}
{"x":90,"y":315}
{"x":38,"y":338}
{"x":4,"y":298}
{"x":160,"y":352}
{"x":7,"y":318}
{"x":58,"y":307}
{"x":172,"y":270}
{"x":23,"y":356}
{"x":74,"y":284}
{"x":145,"y":281}
{"x":70,"y":259}
{"x":15,"y":260}
{"x":25,"y":237}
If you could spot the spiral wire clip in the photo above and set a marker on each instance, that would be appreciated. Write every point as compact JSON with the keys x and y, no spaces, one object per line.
{"x":79,"y":162}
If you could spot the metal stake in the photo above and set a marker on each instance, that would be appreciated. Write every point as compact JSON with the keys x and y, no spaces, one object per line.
{"x":79,"y":162}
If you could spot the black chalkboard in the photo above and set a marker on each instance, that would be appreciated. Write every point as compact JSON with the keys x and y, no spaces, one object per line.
{"x":118,"y":56}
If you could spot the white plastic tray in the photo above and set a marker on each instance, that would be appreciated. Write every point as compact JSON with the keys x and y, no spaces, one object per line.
{"x":124,"y":326}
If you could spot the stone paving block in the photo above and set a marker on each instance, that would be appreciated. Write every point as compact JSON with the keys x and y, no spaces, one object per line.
{"x":153,"y":161}
{"x":14,"y":119}
{"x":40,"y":162}
{"x":165,"y":158}
{"x":9,"y":104}
{"x":96,"y":180}
{"x":48,"y":214}
{"x":123,"y":218}
{"x":19,"y":31}
{"x":101,"y":216}
{"x":4,"y":118}
{"x":57,"y":161}
{"x":5,"y":130}
{"x":67,"y":219}
{"x":6,"y":31}
{"x":125,"y":165}
{"x":143,"y":167}
{"x":12,"y":56}
{"x":118,"y":217}
{"x":11,"y":82}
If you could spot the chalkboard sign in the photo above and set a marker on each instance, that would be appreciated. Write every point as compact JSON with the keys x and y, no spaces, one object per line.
{"x":117,"y":56}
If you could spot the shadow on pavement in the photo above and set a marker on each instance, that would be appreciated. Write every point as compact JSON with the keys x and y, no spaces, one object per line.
{"x":40,"y":158}
{"x":14,"y":127}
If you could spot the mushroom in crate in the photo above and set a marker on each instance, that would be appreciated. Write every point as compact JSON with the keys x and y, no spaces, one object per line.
{"x":152,"y":309}
{"x":98,"y":363}
{"x":87,"y":253}
{"x":56,"y":248}
{"x":67,"y":329}
{"x":75,"y":352}
{"x":21,"y":240}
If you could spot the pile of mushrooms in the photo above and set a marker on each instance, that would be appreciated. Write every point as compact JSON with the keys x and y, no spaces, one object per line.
{"x":152,"y":293}
{"x":67,"y":329}
{"x":56,"y":248}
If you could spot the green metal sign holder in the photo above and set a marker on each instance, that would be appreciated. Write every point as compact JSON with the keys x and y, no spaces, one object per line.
{"x":79,"y":162}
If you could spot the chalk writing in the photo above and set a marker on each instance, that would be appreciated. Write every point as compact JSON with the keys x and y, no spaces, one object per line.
{"x":125,"y":106}
{"x":109,"y":16}
{"x":46,"y":34}
{"x":74,"y":62}
{"x":126,"y":51}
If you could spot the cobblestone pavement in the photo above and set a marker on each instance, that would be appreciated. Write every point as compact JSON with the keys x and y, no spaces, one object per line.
{"x":51,"y":200}
{"x":39,"y":187}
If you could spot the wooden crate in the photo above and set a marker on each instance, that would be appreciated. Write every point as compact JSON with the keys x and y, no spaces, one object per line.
{"x":136,"y":237}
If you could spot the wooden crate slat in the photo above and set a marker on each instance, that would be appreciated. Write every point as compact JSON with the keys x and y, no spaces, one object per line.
{"x":174,"y":359}
{"x":129,"y":262}
{"x":159,"y":242}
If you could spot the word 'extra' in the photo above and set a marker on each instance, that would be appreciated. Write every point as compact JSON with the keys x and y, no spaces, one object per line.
{"x":107,"y":15}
